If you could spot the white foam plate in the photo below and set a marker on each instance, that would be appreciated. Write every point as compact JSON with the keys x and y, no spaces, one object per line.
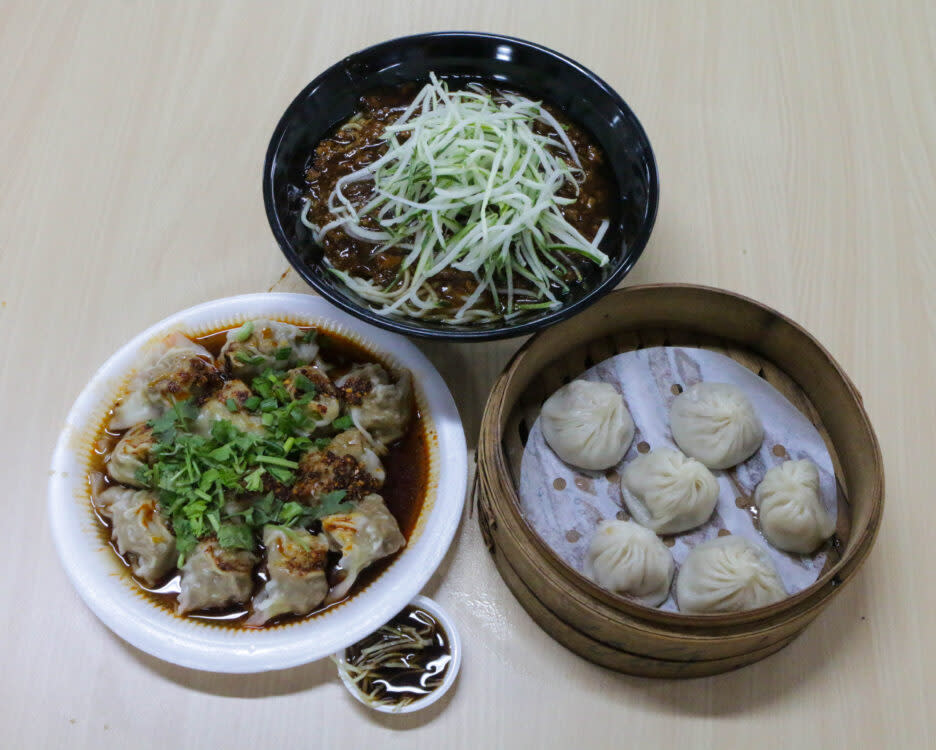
{"x":98,"y":574}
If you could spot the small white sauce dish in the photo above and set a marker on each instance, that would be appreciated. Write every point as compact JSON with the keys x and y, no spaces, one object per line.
{"x":451,"y":674}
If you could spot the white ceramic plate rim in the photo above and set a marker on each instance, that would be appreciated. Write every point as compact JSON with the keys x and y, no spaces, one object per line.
{"x":93,"y":568}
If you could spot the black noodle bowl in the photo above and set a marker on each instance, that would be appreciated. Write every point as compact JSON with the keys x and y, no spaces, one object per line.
{"x":460,"y":57}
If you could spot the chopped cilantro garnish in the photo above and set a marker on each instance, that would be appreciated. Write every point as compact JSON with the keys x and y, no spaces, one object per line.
{"x":330,"y":503}
{"x":197,"y":476}
{"x":343,"y":423}
{"x":276,"y":461}
{"x":235,"y":535}
{"x":254,"y":480}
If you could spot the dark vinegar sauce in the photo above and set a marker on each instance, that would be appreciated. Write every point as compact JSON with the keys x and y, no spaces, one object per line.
{"x":404,"y":490}
{"x":425,"y":667}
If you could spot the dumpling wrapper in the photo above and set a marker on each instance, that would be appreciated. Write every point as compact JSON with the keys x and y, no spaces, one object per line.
{"x":727,"y":574}
{"x":176,"y":369}
{"x":295,"y":561}
{"x":362,"y":536}
{"x":668,"y":492}
{"x":215,"y":409}
{"x":626,"y":558}
{"x":324,"y":408}
{"x":790,"y":508}
{"x":353,"y":443}
{"x":716,"y":423}
{"x":587,"y":424}
{"x":379,"y":407}
{"x":266,"y":338}
{"x":139,"y":531}
{"x":130,"y":455}
{"x":214,"y":577}
{"x":347,"y":463}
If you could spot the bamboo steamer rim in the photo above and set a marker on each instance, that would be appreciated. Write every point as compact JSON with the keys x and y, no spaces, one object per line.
{"x":495,"y":480}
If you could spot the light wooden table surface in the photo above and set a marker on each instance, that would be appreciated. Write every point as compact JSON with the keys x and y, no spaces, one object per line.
{"x":797,"y":152}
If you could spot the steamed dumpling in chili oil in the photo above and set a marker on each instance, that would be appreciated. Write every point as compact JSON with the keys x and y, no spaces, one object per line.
{"x":240,"y":470}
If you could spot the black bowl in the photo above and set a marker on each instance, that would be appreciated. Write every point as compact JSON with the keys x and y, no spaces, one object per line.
{"x":463,"y":56}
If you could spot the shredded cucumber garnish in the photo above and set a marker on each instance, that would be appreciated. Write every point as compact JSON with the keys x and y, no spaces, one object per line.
{"x":467,"y":183}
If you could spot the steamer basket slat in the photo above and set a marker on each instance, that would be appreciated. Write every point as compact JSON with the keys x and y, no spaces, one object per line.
{"x":612,"y":630}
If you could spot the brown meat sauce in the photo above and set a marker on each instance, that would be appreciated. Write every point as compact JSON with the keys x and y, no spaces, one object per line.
{"x":351,"y":148}
{"x":406,"y":465}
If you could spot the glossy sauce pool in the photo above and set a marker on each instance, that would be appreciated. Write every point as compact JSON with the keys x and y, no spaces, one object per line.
{"x":404,"y":491}
{"x":408,"y":673}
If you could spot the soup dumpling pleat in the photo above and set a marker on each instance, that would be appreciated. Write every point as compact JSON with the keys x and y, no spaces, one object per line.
{"x":668,"y":492}
{"x":627,"y":558}
{"x":727,"y":574}
{"x":790,"y":507}
{"x":716,"y":423}
{"x":588,"y":425}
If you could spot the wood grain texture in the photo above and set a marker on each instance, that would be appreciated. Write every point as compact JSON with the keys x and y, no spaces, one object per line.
{"x":797,"y":150}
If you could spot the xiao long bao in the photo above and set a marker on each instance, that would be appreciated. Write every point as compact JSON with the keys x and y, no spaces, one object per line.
{"x":791,"y":513}
{"x":716,"y":423}
{"x":667,"y":492}
{"x":588,"y":425}
{"x":727,"y":574}
{"x":626,"y":558}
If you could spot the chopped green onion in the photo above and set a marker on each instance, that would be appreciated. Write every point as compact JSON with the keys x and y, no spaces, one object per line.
{"x":276,"y":461}
{"x":231,"y":405}
{"x":303,"y":384}
{"x":247,"y":359}
{"x":244,"y":332}
{"x":283,"y":353}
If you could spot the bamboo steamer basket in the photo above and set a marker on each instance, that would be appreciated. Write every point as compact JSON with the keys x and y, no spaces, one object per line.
{"x":614,"y":631}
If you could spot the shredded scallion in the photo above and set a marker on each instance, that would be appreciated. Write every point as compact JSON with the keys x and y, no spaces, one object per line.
{"x":471,"y":181}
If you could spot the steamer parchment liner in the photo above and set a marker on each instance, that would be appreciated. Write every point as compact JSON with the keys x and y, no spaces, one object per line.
{"x":757,"y":337}
{"x":564,"y":504}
